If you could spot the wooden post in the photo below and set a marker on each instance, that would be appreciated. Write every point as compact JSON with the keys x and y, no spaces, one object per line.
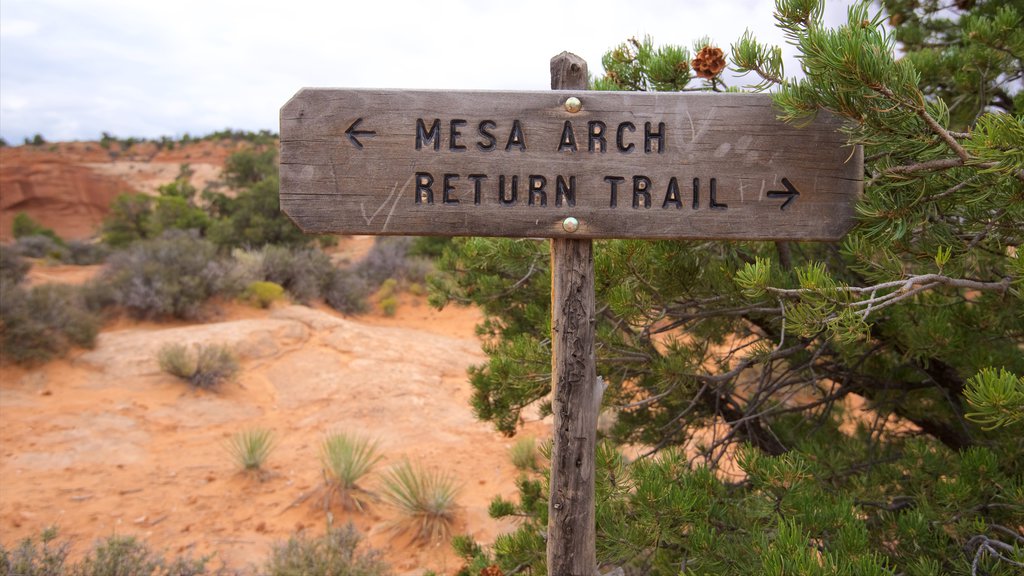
{"x":577,"y":393}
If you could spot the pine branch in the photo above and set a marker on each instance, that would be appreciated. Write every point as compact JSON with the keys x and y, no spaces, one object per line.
{"x":904,"y":286}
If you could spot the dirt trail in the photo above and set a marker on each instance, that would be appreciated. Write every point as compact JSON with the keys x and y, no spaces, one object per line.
{"x":105,"y":443}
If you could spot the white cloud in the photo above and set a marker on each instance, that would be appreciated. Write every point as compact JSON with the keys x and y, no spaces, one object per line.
{"x":16,"y":28}
{"x":154,"y":68}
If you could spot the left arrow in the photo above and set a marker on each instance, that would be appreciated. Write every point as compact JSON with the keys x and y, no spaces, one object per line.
{"x":352,"y":133}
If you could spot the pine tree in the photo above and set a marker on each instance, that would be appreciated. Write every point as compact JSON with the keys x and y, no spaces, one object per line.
{"x":758,"y":355}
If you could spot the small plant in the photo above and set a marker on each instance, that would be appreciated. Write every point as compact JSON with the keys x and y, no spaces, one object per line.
{"x":426,"y":498}
{"x":207,"y":367}
{"x":333,"y":554}
{"x":29,"y":559}
{"x":346,"y":459}
{"x":250,"y":448}
{"x":524,"y":454}
{"x":389,"y":305}
{"x":263,"y":294}
{"x":126,"y":556}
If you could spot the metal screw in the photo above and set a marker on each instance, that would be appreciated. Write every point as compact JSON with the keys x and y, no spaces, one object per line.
{"x":570,"y":224}
{"x":573,"y":104}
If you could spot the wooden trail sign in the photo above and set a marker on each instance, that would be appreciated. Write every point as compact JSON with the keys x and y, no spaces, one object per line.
{"x":571,"y":165}
{"x":519,"y":164}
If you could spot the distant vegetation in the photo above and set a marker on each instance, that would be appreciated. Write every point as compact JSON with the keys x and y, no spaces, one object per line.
{"x":167,"y":255}
{"x":337,"y":553}
{"x":109,"y":141}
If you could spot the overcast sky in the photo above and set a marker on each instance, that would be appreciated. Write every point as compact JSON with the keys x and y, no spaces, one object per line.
{"x":71,"y":69}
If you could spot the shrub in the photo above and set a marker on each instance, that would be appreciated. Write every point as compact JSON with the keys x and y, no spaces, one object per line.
{"x":205,"y":368}
{"x":126,"y":556}
{"x":115,"y":556}
{"x":389,"y":305}
{"x":82,"y":253}
{"x":389,"y":258}
{"x":246,"y":267}
{"x":346,"y":459}
{"x":39,"y":246}
{"x":30,"y":559}
{"x":44,"y":322}
{"x":426,"y":498}
{"x":333,"y":554}
{"x":346,"y":292}
{"x":171,"y":276}
{"x":250,"y":448}
{"x":254,"y":218}
{"x":304,"y":272}
{"x":524,"y":454}
{"x":263,"y":294}
{"x":23,"y":225}
{"x":173,"y":212}
{"x":388,"y":298}
{"x":128,"y":220}
{"x":13,"y":267}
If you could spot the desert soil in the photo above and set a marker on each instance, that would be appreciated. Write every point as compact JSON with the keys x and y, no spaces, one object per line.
{"x":104,"y":443}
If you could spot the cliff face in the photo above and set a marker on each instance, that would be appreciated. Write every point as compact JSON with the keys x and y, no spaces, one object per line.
{"x":69,"y":186}
{"x":55,"y":191}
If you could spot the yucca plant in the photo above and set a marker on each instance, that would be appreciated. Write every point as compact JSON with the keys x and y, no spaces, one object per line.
{"x":251,"y":447}
{"x":425,"y":498}
{"x":346,"y":459}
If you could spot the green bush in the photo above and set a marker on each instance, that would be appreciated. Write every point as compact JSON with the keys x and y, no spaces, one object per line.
{"x":205,"y":368}
{"x":250,"y":166}
{"x":334,"y":554}
{"x":263,"y":294}
{"x":135,"y":217}
{"x":389,"y":305}
{"x":128,"y":220}
{"x":170,"y":276}
{"x":250,"y":448}
{"x":44,"y":322}
{"x":254,"y":218}
{"x":426,"y":499}
{"x":13,"y":267}
{"x":23,"y":225}
{"x":346,"y":459}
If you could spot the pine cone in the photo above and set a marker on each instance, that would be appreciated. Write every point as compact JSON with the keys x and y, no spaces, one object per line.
{"x":709,"y":62}
{"x":492,"y":570}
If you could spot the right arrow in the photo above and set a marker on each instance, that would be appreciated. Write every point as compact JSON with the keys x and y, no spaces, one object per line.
{"x":790,"y":193}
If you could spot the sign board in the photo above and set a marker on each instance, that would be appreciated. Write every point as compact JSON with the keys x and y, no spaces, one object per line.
{"x":563,"y":164}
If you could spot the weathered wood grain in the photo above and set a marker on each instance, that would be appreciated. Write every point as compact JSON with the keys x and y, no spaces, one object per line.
{"x":576,"y":402}
{"x":338,"y":177}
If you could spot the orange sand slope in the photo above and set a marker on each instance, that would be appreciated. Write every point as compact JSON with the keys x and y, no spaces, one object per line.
{"x":105,"y":443}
